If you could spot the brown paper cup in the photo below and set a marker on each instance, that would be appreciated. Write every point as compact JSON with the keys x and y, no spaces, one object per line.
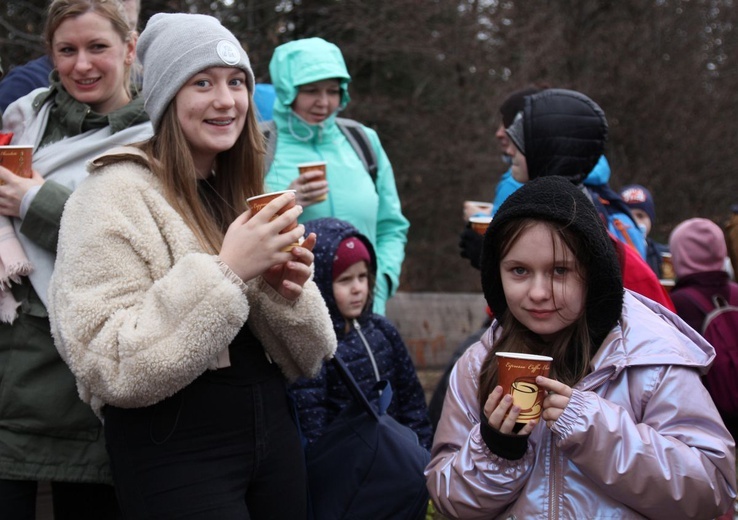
{"x":17,"y":159}
{"x":312,"y":166}
{"x":516,"y":374}
{"x":257,"y":203}
{"x":667,"y":267}
{"x":480,"y":224}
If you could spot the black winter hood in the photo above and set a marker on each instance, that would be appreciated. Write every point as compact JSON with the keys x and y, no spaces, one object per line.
{"x":331,"y":232}
{"x":555,"y":199}
{"x":564,"y":133}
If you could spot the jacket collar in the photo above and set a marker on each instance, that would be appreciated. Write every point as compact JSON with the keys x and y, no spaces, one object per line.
{"x":69,"y":117}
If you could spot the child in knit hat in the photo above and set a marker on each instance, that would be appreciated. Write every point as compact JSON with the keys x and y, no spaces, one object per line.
{"x":625,"y":409}
{"x":641,"y":205}
{"x":182,"y":315}
{"x":698,"y":252}
{"x":371,"y":347}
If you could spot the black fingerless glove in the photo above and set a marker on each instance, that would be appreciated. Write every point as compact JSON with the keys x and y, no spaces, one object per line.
{"x":470,"y":243}
{"x":509,"y":446}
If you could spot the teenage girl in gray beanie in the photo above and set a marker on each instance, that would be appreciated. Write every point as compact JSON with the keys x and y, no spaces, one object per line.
{"x":178,"y":311}
{"x":627,"y":429}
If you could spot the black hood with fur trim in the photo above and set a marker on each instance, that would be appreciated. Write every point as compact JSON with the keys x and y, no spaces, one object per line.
{"x":555,"y":199}
{"x":564,"y":133}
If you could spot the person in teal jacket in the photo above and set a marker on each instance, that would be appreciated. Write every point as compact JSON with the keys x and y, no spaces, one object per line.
{"x":311,"y":82}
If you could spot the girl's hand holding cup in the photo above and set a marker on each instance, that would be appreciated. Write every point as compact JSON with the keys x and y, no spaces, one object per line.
{"x":502,"y":414}
{"x":263,"y":236}
{"x":556,"y":400}
{"x":289,"y":278}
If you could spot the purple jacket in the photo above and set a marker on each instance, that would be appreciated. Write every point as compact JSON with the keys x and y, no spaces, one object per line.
{"x":640,"y":436}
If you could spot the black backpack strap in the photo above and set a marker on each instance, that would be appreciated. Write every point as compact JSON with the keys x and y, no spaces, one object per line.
{"x":354,"y":132}
{"x":353,"y":387}
{"x":269,"y":131}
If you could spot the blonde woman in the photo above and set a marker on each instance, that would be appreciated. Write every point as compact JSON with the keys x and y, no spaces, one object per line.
{"x":46,"y":432}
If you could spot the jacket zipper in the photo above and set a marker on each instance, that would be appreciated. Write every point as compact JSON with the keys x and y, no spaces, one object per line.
{"x":368,"y":349}
{"x":553,"y":501}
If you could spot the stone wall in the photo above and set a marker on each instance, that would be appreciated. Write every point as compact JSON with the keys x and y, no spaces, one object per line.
{"x":433,"y":325}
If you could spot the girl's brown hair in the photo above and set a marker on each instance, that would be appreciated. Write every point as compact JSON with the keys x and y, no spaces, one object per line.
{"x":572,"y":348}
{"x":113,"y":10}
{"x":208,"y":207}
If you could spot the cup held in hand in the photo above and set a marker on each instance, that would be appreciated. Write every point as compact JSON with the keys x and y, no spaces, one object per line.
{"x":480,"y":224}
{"x":258,"y":202}
{"x":516,"y":374}
{"x":17,"y":159}
{"x":312,"y":166}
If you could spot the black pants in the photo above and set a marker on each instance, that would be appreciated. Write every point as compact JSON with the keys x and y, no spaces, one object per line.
{"x":211,"y":451}
{"x":72,"y":501}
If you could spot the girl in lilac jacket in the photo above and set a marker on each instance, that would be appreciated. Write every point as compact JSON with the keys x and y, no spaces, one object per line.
{"x":627,"y":430}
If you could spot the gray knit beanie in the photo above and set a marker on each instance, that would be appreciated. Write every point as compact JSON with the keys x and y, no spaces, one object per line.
{"x":174,"y":47}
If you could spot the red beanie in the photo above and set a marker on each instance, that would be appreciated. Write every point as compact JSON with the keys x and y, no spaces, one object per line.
{"x":349,"y":252}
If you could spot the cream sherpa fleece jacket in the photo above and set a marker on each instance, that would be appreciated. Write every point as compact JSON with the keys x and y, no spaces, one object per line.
{"x":138,"y":310}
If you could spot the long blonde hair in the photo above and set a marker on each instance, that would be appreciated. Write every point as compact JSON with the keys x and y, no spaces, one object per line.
{"x":113,"y":10}
{"x":207,"y":209}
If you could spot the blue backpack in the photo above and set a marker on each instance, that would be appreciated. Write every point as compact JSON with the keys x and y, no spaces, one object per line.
{"x":366,"y":465}
{"x":618,"y":218}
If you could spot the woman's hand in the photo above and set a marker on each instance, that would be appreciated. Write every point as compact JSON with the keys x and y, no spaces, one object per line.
{"x":471,"y":209}
{"x":253,"y":243}
{"x":12,"y":190}
{"x":310,"y":187}
{"x":501,"y":413}
{"x":289,"y":278}
{"x":556,"y":400}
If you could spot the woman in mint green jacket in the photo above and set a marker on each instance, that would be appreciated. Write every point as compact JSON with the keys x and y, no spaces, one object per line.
{"x":311,"y":82}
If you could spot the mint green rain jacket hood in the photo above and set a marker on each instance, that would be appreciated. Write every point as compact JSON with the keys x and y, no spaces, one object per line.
{"x":306,"y":61}
{"x":373,"y":208}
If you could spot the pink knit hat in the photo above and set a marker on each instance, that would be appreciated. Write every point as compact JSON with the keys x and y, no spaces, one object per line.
{"x":350,"y":251}
{"x":697,"y":245}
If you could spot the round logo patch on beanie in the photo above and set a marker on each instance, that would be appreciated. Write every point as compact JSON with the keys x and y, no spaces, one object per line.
{"x":228,"y":52}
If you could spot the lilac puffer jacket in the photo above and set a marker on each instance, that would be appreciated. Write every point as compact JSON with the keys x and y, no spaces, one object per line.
{"x":640,"y":438}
